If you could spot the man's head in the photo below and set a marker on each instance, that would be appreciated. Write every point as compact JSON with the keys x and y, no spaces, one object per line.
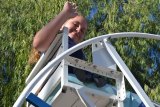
{"x":77,"y":27}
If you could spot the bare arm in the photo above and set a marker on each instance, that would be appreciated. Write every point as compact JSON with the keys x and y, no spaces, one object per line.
{"x":46,"y":35}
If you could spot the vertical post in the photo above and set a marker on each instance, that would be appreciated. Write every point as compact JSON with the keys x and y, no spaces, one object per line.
{"x":121,"y":93}
{"x":131,"y":79}
{"x":65,"y":47}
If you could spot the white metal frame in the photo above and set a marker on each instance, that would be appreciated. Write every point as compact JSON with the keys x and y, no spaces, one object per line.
{"x":112,"y":52}
{"x":107,"y":72}
{"x":41,"y":62}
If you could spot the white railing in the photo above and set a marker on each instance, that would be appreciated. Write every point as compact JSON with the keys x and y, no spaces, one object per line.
{"x":66,"y":53}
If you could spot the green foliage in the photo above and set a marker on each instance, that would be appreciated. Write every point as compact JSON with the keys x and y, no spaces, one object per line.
{"x":153,"y":93}
{"x":132,"y":16}
{"x":21,"y":19}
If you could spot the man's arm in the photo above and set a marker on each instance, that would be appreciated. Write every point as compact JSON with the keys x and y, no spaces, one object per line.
{"x":46,"y":35}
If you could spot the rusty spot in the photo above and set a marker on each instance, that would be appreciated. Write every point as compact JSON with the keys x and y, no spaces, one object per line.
{"x":96,"y":45}
{"x":94,"y":66}
{"x":93,"y":95}
{"x":112,"y":72}
{"x":76,"y":60}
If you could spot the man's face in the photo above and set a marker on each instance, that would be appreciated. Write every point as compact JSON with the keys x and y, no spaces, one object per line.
{"x":77,"y":27}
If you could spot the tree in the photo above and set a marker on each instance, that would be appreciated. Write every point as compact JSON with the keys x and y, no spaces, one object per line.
{"x":21,"y":19}
{"x":140,"y":55}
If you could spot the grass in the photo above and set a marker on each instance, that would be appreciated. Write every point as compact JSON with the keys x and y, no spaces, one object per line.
{"x":19,"y":20}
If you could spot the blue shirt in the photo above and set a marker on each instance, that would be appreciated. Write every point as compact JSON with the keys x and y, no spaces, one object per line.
{"x":78,"y":54}
{"x":83,"y":74}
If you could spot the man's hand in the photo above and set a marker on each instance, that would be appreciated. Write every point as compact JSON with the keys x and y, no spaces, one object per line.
{"x":71,"y":9}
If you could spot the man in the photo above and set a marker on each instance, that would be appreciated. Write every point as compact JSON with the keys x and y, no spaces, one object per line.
{"x":77,"y":26}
